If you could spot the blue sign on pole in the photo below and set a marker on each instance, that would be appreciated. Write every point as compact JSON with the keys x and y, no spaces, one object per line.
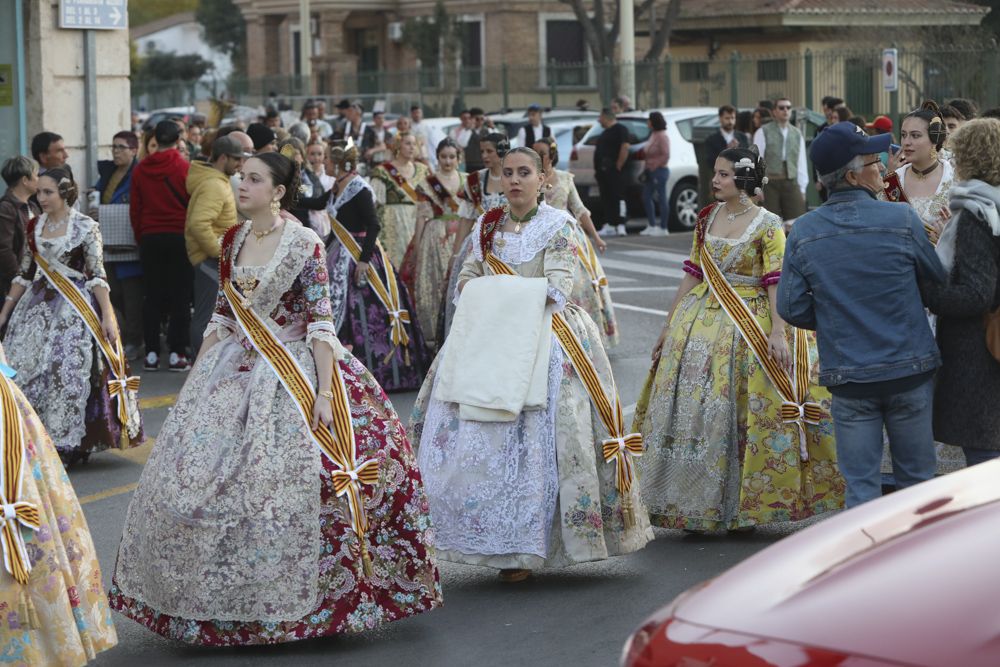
{"x":93,"y":14}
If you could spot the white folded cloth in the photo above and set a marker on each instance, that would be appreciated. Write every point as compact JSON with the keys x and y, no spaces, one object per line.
{"x":495,"y":361}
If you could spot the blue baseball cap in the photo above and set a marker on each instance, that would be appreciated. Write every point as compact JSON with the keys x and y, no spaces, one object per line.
{"x":839,"y":144}
{"x":534,"y":107}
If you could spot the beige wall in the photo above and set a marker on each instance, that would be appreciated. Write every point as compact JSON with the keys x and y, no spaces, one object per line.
{"x":55,"y":82}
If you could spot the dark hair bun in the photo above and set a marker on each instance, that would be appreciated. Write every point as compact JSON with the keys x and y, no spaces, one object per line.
{"x":68,"y":189}
{"x":283,"y":172}
{"x":749,"y":169}
{"x":930,"y":113}
{"x":500,"y":141}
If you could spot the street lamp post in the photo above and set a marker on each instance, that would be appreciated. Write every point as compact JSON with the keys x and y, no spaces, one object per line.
{"x":626,"y":21}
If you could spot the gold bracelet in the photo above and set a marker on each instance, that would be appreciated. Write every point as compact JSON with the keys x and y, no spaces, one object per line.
{"x":328,"y":395}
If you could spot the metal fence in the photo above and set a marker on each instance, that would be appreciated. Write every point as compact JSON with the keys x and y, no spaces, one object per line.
{"x":740,"y":80}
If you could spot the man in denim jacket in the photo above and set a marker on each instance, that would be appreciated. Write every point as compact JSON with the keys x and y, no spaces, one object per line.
{"x":851,"y":272}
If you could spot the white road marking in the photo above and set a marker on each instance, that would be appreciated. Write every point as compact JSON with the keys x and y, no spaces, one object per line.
{"x":640,"y":309}
{"x":657,"y":255}
{"x":619,"y":279}
{"x":645,"y":269}
{"x":615,"y":290}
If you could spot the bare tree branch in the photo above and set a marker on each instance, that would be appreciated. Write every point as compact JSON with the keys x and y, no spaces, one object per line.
{"x":665,"y":27}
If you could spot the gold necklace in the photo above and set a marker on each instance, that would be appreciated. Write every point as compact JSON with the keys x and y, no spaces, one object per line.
{"x":519,"y":221}
{"x":260,"y":235}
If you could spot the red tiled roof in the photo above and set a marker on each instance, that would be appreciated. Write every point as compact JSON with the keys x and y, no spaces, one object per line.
{"x":722,"y":8}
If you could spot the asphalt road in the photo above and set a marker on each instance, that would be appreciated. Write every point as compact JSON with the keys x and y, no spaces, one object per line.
{"x":578,"y":616}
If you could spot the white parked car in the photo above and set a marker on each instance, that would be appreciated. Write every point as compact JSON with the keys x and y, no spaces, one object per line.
{"x":682,"y":186}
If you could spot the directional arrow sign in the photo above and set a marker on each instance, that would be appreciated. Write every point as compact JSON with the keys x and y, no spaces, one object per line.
{"x":93,"y":14}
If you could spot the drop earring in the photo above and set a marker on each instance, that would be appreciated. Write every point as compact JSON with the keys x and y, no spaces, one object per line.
{"x":275,"y":207}
{"x":744,"y":198}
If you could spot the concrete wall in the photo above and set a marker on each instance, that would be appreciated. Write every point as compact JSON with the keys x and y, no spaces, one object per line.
{"x":55,"y":82}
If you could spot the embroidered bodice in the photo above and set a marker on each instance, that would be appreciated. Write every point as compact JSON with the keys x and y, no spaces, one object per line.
{"x":78,"y":253}
{"x":929,"y":208}
{"x":750,"y":262}
{"x":563,"y":195}
{"x":292,"y":288}
{"x":459,"y":196}
{"x":388,"y":192}
{"x":545,"y":247}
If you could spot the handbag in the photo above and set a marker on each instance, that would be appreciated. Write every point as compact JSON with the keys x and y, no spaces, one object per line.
{"x":117,"y":234}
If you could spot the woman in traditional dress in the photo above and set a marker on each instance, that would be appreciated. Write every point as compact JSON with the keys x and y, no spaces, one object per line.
{"x":254,"y":521}
{"x":390,"y":345}
{"x":395,"y":185}
{"x":313,"y":198}
{"x":62,"y":335}
{"x":54,"y":611}
{"x":438,"y":222}
{"x":534,"y":491}
{"x":922,"y":178}
{"x":482,"y":192}
{"x":721,"y":452}
{"x":317,"y":153}
{"x":590,"y":287}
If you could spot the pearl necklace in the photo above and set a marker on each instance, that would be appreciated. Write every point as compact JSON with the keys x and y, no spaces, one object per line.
{"x":260,"y":235}
{"x":731,"y":217}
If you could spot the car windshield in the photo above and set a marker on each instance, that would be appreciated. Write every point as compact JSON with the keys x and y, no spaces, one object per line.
{"x":638,"y":131}
{"x":689,"y":127}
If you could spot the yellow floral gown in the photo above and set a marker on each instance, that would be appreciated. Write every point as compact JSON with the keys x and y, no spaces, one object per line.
{"x":68,"y":621}
{"x":718,"y":455}
{"x":397,"y":212}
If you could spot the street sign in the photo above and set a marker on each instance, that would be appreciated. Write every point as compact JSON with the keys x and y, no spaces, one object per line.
{"x":890,"y":70}
{"x":93,"y":14}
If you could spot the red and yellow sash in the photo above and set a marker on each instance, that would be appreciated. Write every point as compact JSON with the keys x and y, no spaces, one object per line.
{"x":475,"y":189}
{"x":337,"y":445}
{"x":401,"y":182}
{"x":794,"y":389}
{"x":441,"y":197}
{"x":387,"y":291}
{"x":588,"y":258}
{"x":16,"y":512}
{"x":620,"y":447}
{"x":121,"y":382}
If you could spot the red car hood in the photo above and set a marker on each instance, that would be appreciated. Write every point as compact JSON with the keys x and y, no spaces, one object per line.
{"x":913,"y":578}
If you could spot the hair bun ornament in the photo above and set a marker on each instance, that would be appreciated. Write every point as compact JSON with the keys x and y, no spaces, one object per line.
{"x":64,"y":181}
{"x":289,"y":151}
{"x":744,"y":163}
{"x":764,"y":181}
{"x":757,"y":192}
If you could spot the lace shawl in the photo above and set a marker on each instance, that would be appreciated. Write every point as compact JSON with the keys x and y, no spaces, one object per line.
{"x":81,"y":232}
{"x":356,"y":185}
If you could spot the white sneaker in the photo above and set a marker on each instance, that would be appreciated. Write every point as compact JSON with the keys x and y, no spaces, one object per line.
{"x":622,"y":231}
{"x":607,"y":231}
{"x":650,"y":231}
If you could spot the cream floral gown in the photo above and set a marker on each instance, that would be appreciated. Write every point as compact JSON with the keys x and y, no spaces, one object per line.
{"x":236,"y":534}
{"x":534,"y":492}
{"x":397,"y":212}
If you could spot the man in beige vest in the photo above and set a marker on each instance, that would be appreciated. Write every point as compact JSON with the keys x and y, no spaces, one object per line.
{"x":784,"y":151}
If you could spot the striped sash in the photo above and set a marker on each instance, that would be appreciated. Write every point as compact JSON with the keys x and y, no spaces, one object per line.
{"x":794,"y":389}
{"x":444,"y":198}
{"x":337,"y":445}
{"x":588,"y":258}
{"x":121,"y":383}
{"x":401,"y":182}
{"x":620,"y":447}
{"x":15,"y":510}
{"x":387,"y":291}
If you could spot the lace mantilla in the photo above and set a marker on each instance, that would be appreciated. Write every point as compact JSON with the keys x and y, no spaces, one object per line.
{"x":522,"y":247}
{"x":356,"y":185}
{"x":81,"y":232}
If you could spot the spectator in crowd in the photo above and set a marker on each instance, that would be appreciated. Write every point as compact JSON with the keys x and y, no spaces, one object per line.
{"x":312,"y":195}
{"x":211,"y":212}
{"x":967,"y":108}
{"x":535,"y":129}
{"x":621,"y":104}
{"x":121,"y":254}
{"x":761,"y":116}
{"x":462,"y":132}
{"x":766,"y":104}
{"x":784,"y":151}
{"x":311,"y":116}
{"x":953,"y":119}
{"x":842,"y":112}
{"x":582,"y":105}
{"x":354,"y":127}
{"x":158,"y":212}
{"x":374,"y":146}
{"x":727,"y":137}
{"x":272,"y":118}
{"x":428,"y":136}
{"x":830,"y":104}
{"x":880,"y":125}
{"x":339,"y":122}
{"x":16,"y":208}
{"x":480,"y":128}
{"x":147,"y":145}
{"x":301,"y":131}
{"x":317,"y":153}
{"x":49,"y":151}
{"x":852,"y":272}
{"x":610,"y":156}
{"x":744,"y":122}
{"x":264,"y":139}
{"x":194,"y":138}
{"x":969,"y":248}
{"x":198,"y":120}
{"x":183,"y":149}
{"x":656,"y":175}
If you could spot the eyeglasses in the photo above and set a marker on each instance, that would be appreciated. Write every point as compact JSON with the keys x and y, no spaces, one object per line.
{"x":784,"y":107}
{"x":878,"y":161}
{"x":120,"y":147}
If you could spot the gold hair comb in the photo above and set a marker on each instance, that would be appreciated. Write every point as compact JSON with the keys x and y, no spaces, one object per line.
{"x":289,"y":151}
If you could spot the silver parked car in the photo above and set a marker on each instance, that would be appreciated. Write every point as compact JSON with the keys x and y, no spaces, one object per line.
{"x":682,"y":186}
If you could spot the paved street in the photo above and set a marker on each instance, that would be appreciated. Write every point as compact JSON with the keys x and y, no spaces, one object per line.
{"x":579,"y":616}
